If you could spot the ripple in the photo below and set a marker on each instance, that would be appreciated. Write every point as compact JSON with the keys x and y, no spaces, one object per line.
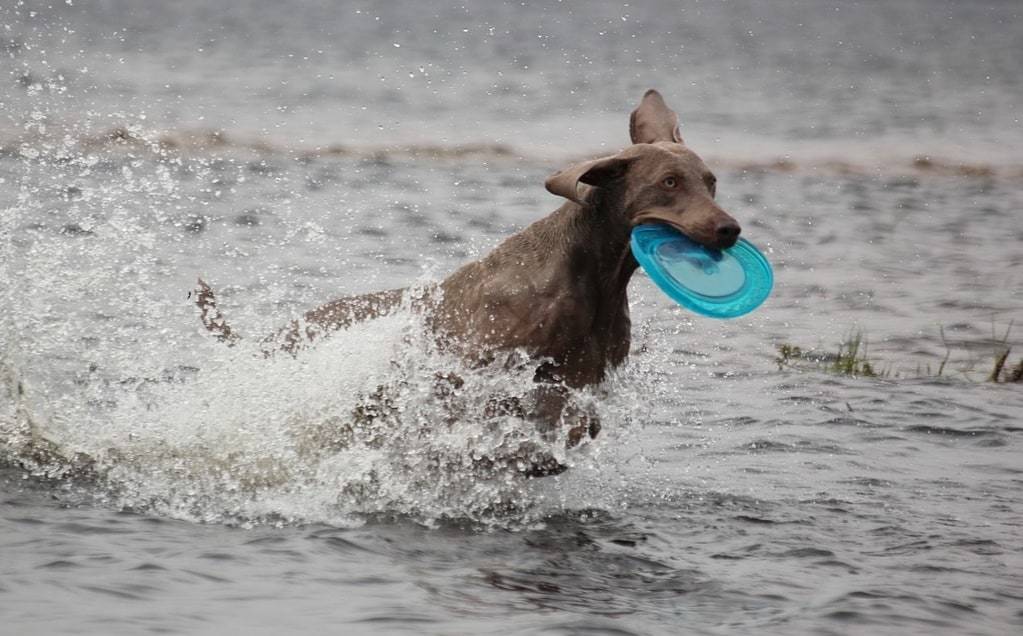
{"x":114,"y":592}
{"x":926,"y":429}
{"x":60,"y":565}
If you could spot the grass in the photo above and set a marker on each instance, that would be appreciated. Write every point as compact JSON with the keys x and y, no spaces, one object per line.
{"x":851,"y":359}
{"x":1014,"y":374}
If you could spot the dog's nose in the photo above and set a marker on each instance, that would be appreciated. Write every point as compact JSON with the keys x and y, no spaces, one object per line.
{"x":728,"y":234}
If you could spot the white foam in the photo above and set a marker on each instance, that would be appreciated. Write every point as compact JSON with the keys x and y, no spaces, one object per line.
{"x":246,"y":439}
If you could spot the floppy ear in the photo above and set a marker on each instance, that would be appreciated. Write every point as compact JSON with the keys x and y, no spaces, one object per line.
{"x":653,"y":121}
{"x":597,"y":172}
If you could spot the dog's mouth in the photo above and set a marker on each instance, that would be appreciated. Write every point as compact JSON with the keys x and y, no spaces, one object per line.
{"x":714,"y":240}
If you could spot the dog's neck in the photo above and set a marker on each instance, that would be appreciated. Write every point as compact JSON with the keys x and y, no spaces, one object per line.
{"x":604,"y":233}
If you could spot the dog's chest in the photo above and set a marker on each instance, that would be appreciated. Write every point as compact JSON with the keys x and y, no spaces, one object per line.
{"x":581,"y":337}
{"x":542,"y":309}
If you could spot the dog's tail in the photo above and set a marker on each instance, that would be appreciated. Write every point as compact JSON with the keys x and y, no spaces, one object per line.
{"x":211,"y":317}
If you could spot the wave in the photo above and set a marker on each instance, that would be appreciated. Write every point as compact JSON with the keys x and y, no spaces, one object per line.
{"x":863,"y":162}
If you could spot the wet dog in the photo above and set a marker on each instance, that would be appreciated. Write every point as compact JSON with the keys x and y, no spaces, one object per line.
{"x":558,"y":289}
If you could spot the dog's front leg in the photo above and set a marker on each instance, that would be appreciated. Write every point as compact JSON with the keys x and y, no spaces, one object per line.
{"x":552,"y":410}
{"x":548,"y":407}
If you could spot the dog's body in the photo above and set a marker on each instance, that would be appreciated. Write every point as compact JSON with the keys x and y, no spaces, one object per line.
{"x":557,"y":289}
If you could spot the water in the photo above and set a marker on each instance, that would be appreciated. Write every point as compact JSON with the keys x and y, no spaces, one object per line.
{"x":292,"y":154}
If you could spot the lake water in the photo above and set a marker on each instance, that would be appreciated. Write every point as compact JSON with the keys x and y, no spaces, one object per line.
{"x":291,"y":153}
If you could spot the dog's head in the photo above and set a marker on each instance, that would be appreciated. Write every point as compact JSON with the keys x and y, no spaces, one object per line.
{"x":657,"y":179}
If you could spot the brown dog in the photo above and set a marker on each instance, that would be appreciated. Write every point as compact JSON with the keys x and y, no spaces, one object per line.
{"x":557,"y":289}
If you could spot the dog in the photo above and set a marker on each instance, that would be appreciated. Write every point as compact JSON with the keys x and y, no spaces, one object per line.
{"x":558,"y":289}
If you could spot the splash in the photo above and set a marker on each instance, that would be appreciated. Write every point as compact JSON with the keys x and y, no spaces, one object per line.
{"x":374,"y":420}
{"x":109,"y":383}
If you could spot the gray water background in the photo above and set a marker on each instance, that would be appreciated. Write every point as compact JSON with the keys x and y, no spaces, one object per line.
{"x":292,"y":153}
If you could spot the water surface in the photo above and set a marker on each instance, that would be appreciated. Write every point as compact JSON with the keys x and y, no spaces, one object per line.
{"x":293,"y":154}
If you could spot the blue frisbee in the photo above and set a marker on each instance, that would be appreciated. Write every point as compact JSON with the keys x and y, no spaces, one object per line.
{"x":717,"y":283}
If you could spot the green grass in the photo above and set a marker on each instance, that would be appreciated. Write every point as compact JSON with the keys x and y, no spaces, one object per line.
{"x":850,"y":358}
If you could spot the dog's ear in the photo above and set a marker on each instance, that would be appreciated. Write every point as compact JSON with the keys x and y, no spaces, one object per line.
{"x":597,"y":172}
{"x":653,"y":121}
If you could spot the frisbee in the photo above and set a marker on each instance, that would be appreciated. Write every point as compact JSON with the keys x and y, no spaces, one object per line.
{"x":724,"y":283}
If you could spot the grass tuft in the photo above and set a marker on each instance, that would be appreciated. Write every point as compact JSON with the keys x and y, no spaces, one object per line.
{"x":851,"y":359}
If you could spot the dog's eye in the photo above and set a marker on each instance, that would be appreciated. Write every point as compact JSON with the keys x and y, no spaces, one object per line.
{"x":670,"y":183}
